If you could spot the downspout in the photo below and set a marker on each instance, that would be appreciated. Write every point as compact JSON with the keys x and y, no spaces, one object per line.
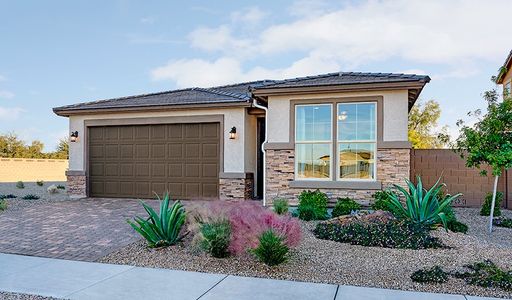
{"x":255,"y":103}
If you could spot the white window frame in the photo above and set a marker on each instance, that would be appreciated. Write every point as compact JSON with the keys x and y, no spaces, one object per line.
{"x":327,"y":142}
{"x":374,"y":142}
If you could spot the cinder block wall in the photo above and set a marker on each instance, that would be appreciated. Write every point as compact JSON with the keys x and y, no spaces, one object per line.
{"x":27,"y":169}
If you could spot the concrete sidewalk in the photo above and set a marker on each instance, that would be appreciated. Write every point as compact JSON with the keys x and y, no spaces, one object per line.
{"x":83,"y":280}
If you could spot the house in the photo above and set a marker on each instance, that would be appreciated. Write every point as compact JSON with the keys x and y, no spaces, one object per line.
{"x":343,"y":133}
{"x":505,"y":75}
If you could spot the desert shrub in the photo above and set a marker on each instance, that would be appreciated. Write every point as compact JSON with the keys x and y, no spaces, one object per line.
{"x":272,"y":249}
{"x":312,"y":205}
{"x":451,"y":221}
{"x":161,"y":229}
{"x":30,"y":197}
{"x":393,"y":234}
{"x":503,"y":222}
{"x":423,"y":207}
{"x":3,"y":205}
{"x":216,"y":237}
{"x":486,"y":207}
{"x":381,"y":200}
{"x":280,"y":206}
{"x":61,"y":187}
{"x":248,"y":221}
{"x":344,"y":206}
{"x":40,"y":183}
{"x":20,"y":184}
{"x":8,"y":196}
{"x":486,"y":274}
{"x":52,"y":189}
{"x":432,"y":275}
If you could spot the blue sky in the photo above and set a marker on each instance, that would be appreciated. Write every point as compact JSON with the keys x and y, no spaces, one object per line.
{"x":54,"y":53}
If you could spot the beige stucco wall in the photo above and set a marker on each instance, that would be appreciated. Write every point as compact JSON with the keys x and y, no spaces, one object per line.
{"x":234,"y":158}
{"x":395,"y":113}
{"x":31,"y":170}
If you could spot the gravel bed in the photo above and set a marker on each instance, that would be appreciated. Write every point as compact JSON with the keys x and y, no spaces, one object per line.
{"x":500,"y":237}
{"x":338,"y":263}
{"x":31,"y":188}
{"x":17,"y":296}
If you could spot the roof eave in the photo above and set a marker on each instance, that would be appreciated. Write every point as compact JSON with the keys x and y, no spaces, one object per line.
{"x":88,"y":111}
{"x":272,"y":91}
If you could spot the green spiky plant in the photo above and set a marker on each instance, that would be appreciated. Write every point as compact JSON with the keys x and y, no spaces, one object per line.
{"x":161,"y":229}
{"x":425,"y":207}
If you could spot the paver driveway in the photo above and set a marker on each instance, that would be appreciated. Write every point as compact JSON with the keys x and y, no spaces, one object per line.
{"x":84,"y":229}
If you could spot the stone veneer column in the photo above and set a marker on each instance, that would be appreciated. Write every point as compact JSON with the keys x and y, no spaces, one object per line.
{"x":236,"y":188}
{"x":76,"y":184}
{"x":393,"y":166}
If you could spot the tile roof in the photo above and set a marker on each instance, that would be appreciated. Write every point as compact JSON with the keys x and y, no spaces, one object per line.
{"x":240,"y":93}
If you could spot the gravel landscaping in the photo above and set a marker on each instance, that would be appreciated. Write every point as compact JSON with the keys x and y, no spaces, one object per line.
{"x":7,"y":188}
{"x":326,"y":261}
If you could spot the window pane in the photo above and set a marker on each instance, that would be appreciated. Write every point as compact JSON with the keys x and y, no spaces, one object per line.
{"x":357,"y":160}
{"x":313,"y":160}
{"x":356,"y":121}
{"x":313,"y":123}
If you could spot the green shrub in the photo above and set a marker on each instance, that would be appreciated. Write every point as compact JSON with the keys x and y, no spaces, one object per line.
{"x":432,"y":275}
{"x":457,"y":226}
{"x":61,"y":187}
{"x":30,"y":197}
{"x":20,"y":184}
{"x":272,"y":249}
{"x":280,"y":206}
{"x":381,"y":200}
{"x":344,"y":206}
{"x":8,"y":196}
{"x":3,"y":205}
{"x":486,"y":274}
{"x":40,"y":183}
{"x":503,"y":222}
{"x":216,"y":237}
{"x":312,"y":205}
{"x":393,"y":234}
{"x":486,"y":207}
{"x":162,"y":229}
{"x":424,"y":207}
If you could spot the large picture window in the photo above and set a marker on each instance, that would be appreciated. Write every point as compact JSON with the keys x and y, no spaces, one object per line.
{"x":356,"y":141}
{"x":313,"y":141}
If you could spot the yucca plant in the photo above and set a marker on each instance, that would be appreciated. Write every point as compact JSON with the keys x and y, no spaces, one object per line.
{"x":162,"y":229}
{"x":422,"y":206}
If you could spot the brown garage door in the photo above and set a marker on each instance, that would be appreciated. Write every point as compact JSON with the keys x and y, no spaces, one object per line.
{"x":138,"y":160}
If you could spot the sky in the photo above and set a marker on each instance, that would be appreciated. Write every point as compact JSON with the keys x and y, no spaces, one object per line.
{"x":55,"y":53}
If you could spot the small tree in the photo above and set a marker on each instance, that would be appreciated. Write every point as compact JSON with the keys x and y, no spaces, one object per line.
{"x":423,"y":119}
{"x":489,"y":140}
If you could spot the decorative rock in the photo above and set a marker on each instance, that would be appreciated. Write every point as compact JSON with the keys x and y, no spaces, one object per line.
{"x":364,"y":216}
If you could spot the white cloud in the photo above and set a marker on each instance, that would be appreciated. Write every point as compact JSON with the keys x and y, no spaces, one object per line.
{"x":6,"y":94}
{"x":10,"y":113}
{"x":148,"y":20}
{"x":413,"y":71}
{"x":452,"y":34}
{"x":251,"y":15}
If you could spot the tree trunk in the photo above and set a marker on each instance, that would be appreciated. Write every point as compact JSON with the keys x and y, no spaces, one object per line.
{"x":491,"y":215}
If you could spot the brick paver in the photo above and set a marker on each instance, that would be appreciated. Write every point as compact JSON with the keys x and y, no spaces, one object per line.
{"x":84,"y":229}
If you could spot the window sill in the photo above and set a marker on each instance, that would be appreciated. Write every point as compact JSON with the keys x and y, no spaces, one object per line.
{"x":355,"y":185}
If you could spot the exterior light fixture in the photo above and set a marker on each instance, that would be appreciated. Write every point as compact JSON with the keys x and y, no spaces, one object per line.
{"x":73,"y":137}
{"x":232,"y":133}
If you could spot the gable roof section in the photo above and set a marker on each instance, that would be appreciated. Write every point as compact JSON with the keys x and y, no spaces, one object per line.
{"x":241,"y":94}
{"x":504,"y":69}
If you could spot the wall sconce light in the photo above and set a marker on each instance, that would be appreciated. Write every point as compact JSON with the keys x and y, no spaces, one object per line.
{"x":73,"y":137}
{"x":232,"y":133}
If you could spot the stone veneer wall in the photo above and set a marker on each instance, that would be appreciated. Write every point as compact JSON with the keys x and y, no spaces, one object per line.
{"x":393,"y":166}
{"x":236,"y":188}
{"x":77,"y":186}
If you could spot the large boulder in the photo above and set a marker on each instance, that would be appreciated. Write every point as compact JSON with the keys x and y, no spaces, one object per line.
{"x":364,"y":216}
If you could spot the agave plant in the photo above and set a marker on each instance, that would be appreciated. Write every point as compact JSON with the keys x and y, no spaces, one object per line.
{"x":161,"y":229}
{"x":422,"y":206}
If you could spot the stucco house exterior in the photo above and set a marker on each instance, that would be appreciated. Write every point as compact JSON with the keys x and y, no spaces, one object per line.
{"x":343,"y":133}
{"x":505,"y":75}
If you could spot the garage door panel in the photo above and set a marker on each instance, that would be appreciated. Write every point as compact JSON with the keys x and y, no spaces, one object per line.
{"x":137,"y":160}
